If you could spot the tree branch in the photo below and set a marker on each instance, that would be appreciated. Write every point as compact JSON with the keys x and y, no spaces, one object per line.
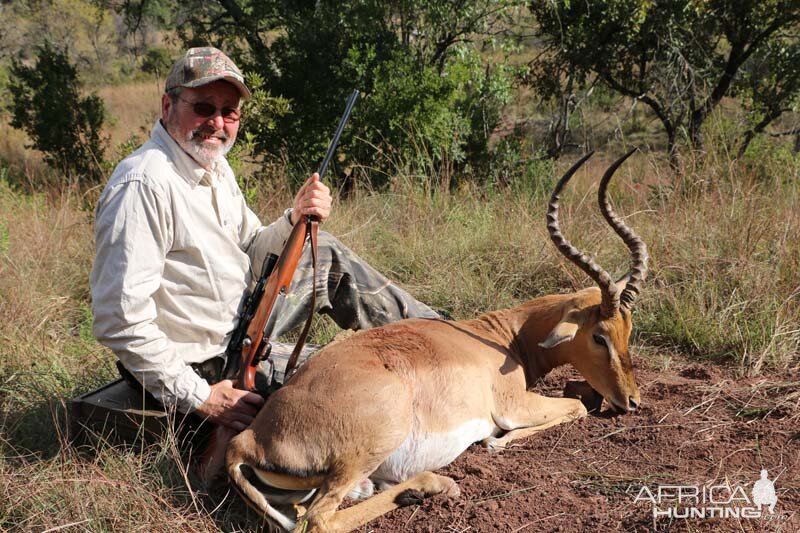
{"x":252,"y":35}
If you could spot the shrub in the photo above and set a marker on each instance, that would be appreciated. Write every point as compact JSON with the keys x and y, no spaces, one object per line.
{"x":46,"y":103}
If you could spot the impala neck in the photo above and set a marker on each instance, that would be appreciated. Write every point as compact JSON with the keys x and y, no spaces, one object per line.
{"x":521,"y":329}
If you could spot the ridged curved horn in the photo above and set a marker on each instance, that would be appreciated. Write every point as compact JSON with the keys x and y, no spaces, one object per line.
{"x":635,"y":244}
{"x":610,"y":293}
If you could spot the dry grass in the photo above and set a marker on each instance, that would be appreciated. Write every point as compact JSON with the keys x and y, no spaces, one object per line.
{"x":82,"y":493}
{"x":132,"y":109}
{"x":47,"y":351}
{"x":26,"y":163}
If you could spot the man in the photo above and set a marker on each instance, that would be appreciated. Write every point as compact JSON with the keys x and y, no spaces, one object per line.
{"x":177,"y":247}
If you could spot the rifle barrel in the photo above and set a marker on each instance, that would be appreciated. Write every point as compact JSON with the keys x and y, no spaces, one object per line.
{"x":351,"y":100}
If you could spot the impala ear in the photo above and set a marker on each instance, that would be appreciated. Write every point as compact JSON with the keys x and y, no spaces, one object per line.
{"x":563,"y":332}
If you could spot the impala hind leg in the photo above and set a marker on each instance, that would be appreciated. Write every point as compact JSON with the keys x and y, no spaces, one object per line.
{"x":323,"y":516}
{"x":532,"y":415}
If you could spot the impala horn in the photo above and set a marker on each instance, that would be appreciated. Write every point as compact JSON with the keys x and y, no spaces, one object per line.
{"x":609,"y":290}
{"x":637,"y":247}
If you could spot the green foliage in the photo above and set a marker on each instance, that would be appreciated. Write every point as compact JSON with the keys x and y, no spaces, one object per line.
{"x":412,"y":116}
{"x":157,"y":61}
{"x":127,"y":147}
{"x":769,"y":85}
{"x":763,"y":157}
{"x":85,"y":326}
{"x":421,"y":97}
{"x":679,"y":57}
{"x":258,"y":120}
{"x":140,"y":16}
{"x":3,"y":76}
{"x":47,"y":104}
{"x":262,"y":111}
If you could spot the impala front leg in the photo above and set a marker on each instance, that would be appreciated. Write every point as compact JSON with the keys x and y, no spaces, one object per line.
{"x":534,"y":413}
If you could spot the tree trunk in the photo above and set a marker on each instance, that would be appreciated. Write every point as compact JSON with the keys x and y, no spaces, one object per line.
{"x":738,"y":54}
{"x":695,"y":123}
{"x":669,"y":128}
{"x":672,"y":147}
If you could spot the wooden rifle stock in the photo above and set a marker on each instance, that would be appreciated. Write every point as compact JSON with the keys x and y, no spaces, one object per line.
{"x":277,"y":284}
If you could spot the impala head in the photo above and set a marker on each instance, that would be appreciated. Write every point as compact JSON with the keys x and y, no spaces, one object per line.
{"x":596,"y":324}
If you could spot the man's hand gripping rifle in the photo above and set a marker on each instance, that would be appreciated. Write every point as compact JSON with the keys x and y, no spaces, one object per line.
{"x":250,"y":343}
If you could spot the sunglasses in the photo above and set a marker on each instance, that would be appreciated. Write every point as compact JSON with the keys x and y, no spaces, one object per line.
{"x":205,"y":110}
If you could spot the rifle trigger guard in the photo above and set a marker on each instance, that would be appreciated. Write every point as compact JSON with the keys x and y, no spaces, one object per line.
{"x":264,"y":354}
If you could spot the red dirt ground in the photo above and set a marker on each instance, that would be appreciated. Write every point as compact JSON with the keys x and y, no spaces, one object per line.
{"x":699,"y":425}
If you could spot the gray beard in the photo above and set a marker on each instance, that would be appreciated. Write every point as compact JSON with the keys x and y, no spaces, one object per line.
{"x":202,"y":154}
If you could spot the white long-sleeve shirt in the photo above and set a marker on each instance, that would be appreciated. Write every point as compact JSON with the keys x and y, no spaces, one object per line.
{"x":174,"y":246}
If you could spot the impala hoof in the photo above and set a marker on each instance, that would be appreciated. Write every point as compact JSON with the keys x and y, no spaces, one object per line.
{"x":409,"y":497}
{"x":431,"y":484}
{"x":493,"y":445}
{"x":451,"y":489}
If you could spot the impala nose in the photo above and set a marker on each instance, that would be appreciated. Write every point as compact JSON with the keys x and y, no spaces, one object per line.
{"x":632,"y":404}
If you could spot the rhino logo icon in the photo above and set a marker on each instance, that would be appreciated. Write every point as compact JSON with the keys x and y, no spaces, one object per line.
{"x":764,"y":493}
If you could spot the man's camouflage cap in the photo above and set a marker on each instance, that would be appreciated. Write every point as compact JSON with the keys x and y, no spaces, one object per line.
{"x":200,"y":66}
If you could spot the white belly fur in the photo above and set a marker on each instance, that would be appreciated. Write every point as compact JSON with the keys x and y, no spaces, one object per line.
{"x":420,"y":452}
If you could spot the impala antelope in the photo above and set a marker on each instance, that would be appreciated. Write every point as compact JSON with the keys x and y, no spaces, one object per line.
{"x":388,"y":405}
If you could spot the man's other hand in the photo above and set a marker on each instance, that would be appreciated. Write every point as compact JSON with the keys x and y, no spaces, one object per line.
{"x":313,"y":198}
{"x":230,"y":406}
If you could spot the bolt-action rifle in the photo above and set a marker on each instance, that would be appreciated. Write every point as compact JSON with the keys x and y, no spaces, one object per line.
{"x":250,"y":342}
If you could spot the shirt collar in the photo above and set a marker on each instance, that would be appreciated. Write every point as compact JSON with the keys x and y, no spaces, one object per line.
{"x":187,"y":167}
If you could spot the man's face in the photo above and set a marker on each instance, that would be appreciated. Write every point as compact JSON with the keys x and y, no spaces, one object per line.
{"x":205,"y":138}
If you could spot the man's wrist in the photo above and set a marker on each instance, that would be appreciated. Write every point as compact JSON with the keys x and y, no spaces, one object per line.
{"x":196,"y":391}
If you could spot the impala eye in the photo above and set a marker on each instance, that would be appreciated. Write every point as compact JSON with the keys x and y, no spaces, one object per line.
{"x":599,"y":339}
